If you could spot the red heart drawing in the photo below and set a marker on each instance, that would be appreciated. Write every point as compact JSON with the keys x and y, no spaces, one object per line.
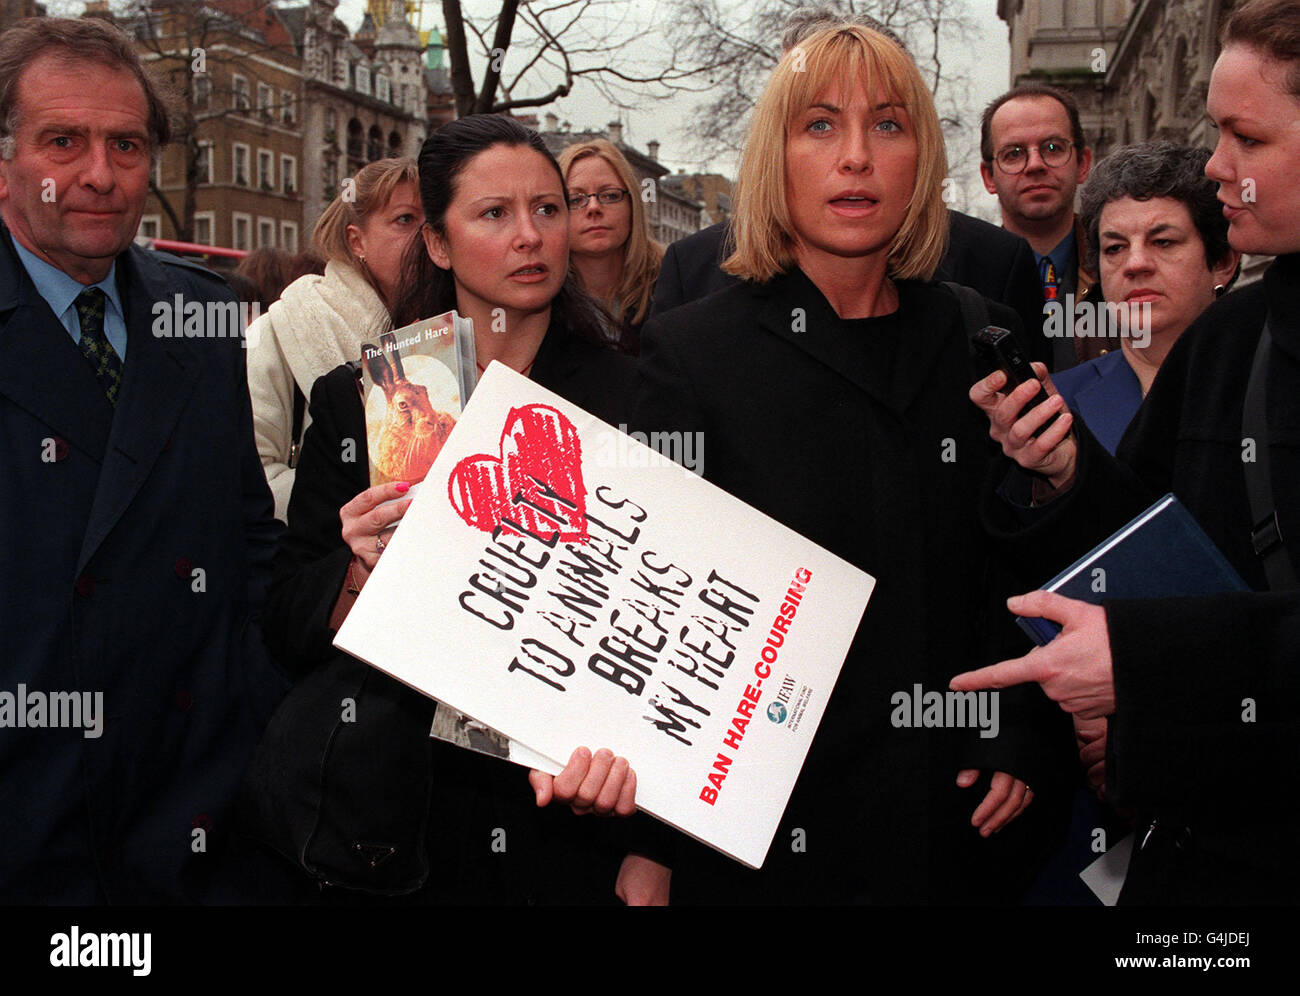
{"x":536,"y":483}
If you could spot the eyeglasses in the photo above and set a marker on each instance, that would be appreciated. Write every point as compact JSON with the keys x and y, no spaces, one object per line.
{"x":611,"y":195}
{"x":1014,"y":158}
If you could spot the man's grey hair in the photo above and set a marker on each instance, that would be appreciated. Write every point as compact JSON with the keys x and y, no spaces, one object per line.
{"x":8,"y":146}
{"x":806,"y":21}
{"x":88,"y":39}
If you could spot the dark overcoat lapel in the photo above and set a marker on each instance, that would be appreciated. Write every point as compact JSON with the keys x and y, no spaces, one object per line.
{"x":158,"y":380}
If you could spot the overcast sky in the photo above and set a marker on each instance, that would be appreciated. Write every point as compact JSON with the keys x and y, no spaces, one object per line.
{"x":985,"y":57}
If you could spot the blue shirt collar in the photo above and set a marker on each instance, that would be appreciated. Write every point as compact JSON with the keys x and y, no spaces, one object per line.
{"x":59,"y":289}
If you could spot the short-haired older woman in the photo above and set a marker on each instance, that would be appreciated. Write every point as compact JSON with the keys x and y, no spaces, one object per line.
{"x":321,"y":321}
{"x":1203,"y":693}
{"x":610,"y":247}
{"x":830,"y":389}
{"x":1158,"y":239}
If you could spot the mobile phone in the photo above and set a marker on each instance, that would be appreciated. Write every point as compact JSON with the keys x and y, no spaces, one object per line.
{"x":1000,"y":349}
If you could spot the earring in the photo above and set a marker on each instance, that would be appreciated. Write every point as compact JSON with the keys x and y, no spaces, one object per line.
{"x":1219,"y":289}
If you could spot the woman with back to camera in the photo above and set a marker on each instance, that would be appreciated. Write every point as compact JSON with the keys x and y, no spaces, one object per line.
{"x":321,"y":321}
{"x":613,"y":254}
{"x":1201,"y":692}
{"x":1159,"y":242}
{"x":496,"y":241}
{"x":830,"y":390}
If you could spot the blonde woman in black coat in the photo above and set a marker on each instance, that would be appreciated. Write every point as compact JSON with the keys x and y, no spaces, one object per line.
{"x":829,"y":389}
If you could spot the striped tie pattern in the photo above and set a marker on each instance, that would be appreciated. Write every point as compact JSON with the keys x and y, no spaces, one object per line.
{"x":94,"y":343}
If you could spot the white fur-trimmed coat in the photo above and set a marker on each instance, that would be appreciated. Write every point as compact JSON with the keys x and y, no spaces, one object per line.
{"x":318,"y":323}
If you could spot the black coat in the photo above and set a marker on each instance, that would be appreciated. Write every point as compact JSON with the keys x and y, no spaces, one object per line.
{"x":1180,"y":750}
{"x":106,"y":515}
{"x":878,"y":460}
{"x":990,"y":259}
{"x":550,"y":855}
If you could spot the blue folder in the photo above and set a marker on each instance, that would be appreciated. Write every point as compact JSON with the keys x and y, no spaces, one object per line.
{"x":1163,"y":553}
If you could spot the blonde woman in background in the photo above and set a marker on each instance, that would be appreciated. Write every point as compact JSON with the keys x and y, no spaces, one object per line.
{"x":610,"y":248}
{"x":321,"y":321}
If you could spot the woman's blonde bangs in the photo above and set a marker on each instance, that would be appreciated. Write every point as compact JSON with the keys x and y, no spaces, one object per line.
{"x":643,"y":254}
{"x":842,"y":55}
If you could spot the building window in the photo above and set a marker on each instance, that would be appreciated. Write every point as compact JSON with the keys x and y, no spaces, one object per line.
{"x":151,"y":226}
{"x":289,"y":236}
{"x":289,"y":174}
{"x":240,"y":164}
{"x":242,"y":226}
{"x":287,"y":115}
{"x":265,"y":169}
{"x":202,"y":90}
{"x":203,"y":225}
{"x":239,"y":92}
{"x":363,"y":79}
{"x":204,"y":162}
{"x":381,"y":88}
{"x":266,"y":233}
{"x":265,"y":98}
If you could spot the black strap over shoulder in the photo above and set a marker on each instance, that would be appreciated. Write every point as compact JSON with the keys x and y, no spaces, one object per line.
{"x":1266,"y":535}
{"x":974,"y":310}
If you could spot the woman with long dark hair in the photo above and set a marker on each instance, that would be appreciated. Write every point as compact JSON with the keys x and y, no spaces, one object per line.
{"x":495,"y":249}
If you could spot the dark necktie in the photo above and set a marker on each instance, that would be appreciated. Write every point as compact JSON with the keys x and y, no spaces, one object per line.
{"x":94,"y":343}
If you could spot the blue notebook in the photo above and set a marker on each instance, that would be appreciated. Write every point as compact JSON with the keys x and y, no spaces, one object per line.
{"x":1163,"y":553}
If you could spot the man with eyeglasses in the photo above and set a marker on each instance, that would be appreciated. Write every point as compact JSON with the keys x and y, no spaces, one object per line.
{"x":1035,"y":157}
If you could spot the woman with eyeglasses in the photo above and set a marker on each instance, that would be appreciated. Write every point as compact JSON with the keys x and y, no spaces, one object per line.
{"x":1202,"y":693}
{"x":610,"y":247}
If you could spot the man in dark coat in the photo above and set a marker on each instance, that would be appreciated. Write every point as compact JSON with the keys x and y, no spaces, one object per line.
{"x":996,"y":263}
{"x":135,"y":519}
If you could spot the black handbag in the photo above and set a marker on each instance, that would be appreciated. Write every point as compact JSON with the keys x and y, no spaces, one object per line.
{"x":342,"y":780}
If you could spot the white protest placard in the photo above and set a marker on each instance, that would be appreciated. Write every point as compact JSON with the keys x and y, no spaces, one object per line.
{"x":568,"y":586}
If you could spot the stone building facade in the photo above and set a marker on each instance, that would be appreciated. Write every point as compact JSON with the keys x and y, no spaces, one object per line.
{"x":1152,"y":81}
{"x":1140,"y":69}
{"x":241,"y":132}
{"x":359,"y":105}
